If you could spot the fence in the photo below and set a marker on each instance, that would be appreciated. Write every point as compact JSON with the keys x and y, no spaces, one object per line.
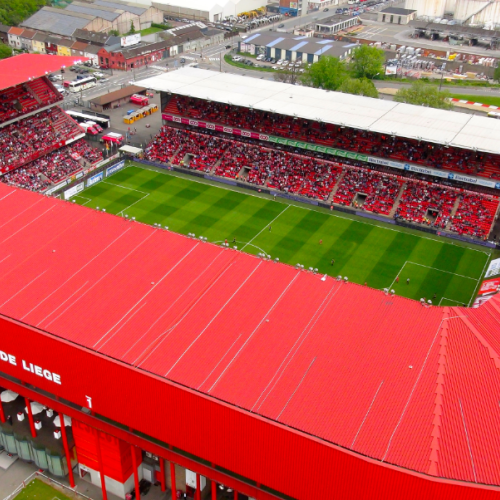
{"x":51,"y":482}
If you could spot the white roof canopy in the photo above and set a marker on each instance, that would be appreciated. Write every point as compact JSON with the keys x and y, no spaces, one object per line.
{"x":404,"y":120}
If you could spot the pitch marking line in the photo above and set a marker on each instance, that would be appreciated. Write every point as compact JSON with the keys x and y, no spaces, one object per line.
{"x":130,"y":206}
{"x":441,"y":271}
{"x":451,"y":300}
{"x":265,"y":227}
{"x":85,"y":198}
{"x":479,"y":280}
{"x":249,"y":244}
{"x":399,"y":274}
{"x":124,"y":187}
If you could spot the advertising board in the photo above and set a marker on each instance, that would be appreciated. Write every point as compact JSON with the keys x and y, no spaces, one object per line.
{"x":72,"y":191}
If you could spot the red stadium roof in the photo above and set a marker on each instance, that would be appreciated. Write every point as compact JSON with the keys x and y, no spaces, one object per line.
{"x":382,"y":376}
{"x":21,"y":68}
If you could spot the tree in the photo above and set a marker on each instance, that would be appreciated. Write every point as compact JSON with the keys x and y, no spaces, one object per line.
{"x":132,"y":28}
{"x":359,"y":86}
{"x":367,"y":62}
{"x":114,"y":32}
{"x":424,"y":95}
{"x":287,"y":75}
{"x":5,"y":51}
{"x":496,"y":74}
{"x":13,"y":12}
{"x":328,"y":73}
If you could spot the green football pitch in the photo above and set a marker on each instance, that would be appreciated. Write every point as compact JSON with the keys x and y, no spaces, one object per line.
{"x":336,"y":244}
{"x":38,"y":490}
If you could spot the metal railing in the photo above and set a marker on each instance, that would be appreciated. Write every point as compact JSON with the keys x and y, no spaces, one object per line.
{"x":38,"y":475}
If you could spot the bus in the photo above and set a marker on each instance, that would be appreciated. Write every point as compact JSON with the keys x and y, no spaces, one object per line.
{"x":83,"y":84}
{"x":81,"y":117}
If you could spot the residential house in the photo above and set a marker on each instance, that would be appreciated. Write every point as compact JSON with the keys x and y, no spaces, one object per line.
{"x":14,"y":37}
{"x":4,"y":33}
{"x":38,"y":43}
{"x":78,"y":49}
{"x":26,"y":38}
{"x":91,"y":52}
{"x":64,"y":47}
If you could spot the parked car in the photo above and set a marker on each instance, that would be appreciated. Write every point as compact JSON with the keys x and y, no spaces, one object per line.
{"x":97,"y":74}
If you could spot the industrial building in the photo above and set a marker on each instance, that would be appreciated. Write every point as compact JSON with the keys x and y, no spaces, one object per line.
{"x":294,"y":48}
{"x":100,"y":16}
{"x":335,"y":24}
{"x":468,"y":12}
{"x":396,"y":15}
{"x":203,"y":10}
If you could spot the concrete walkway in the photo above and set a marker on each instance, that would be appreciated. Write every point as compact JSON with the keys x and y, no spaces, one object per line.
{"x":11,"y":478}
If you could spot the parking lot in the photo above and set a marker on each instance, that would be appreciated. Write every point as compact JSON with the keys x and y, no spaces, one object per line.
{"x":262,"y":61}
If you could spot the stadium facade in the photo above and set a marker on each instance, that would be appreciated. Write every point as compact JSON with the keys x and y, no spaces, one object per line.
{"x":250,"y":373}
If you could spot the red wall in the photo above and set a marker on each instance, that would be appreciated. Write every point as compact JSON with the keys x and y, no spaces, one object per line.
{"x":117,"y":60}
{"x":116,"y":455}
{"x":270,"y":454}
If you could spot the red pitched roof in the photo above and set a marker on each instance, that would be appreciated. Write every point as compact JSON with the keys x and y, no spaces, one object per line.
{"x":15,"y":31}
{"x":20,"y":68}
{"x":382,"y":376}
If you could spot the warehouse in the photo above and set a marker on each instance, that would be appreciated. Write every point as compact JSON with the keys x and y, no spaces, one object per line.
{"x":101,"y":16}
{"x":294,"y":48}
{"x":203,"y":10}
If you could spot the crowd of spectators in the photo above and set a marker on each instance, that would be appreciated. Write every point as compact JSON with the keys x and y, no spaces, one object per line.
{"x":27,"y":177}
{"x":379,"y":191}
{"x":361,"y":141}
{"x":421,"y":202}
{"x":426,"y":203}
{"x":475,"y":215}
{"x":26,"y":97}
{"x":34,"y":136}
{"x":53,"y":167}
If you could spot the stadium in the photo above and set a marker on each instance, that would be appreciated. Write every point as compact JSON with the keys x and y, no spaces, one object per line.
{"x":270,"y":304}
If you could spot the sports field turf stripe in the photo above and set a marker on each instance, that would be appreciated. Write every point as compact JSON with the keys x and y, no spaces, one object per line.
{"x":390,"y":262}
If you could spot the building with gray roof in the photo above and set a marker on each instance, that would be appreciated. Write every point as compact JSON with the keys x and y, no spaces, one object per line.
{"x":57,"y":21}
{"x":396,"y":15}
{"x":85,"y":8}
{"x":294,"y":48}
{"x":134,"y":9}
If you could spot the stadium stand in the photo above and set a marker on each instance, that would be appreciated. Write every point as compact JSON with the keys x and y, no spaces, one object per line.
{"x":361,"y":141}
{"x":475,"y":215}
{"x":426,"y":203}
{"x":404,"y":197}
{"x":26,"y":97}
{"x":31,"y":137}
{"x":53,"y":167}
{"x":376,"y":192}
